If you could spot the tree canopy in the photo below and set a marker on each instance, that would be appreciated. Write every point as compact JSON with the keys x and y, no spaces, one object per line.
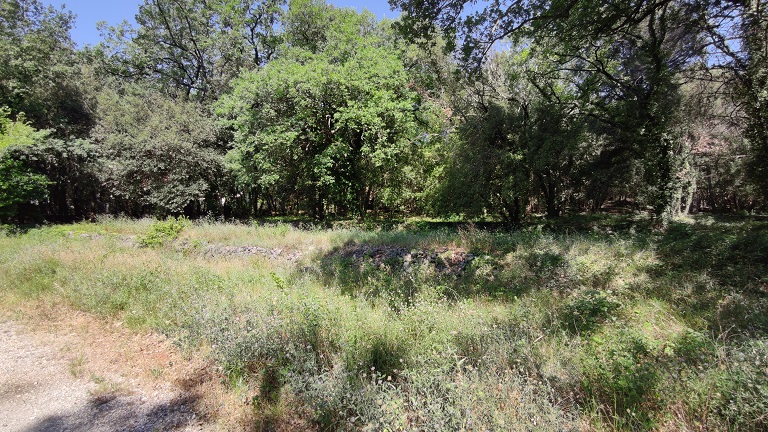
{"x":496,"y":110}
{"x":330,"y":124}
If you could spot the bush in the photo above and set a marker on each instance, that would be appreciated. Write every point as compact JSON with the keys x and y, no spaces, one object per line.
{"x":163,"y":232}
{"x":381,"y":350}
{"x":20,"y":190}
{"x":620,"y":376}
{"x":45,"y":178}
{"x":587,"y":311}
{"x":71,"y":173}
{"x":160,"y":154}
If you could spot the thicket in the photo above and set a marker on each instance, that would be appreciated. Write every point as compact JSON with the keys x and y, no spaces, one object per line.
{"x":250,"y":108}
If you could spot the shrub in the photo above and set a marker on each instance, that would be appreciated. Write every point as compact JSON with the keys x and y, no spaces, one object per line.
{"x":692,"y":347}
{"x":160,"y":153}
{"x":163,"y":232}
{"x":620,"y":376}
{"x":588,"y":310}
{"x":379,"y":348}
{"x":20,"y":189}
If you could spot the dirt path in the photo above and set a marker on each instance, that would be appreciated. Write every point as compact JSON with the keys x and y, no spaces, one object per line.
{"x":84,"y":375}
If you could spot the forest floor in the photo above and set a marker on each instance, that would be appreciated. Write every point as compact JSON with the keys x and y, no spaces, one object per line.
{"x":68,"y":371}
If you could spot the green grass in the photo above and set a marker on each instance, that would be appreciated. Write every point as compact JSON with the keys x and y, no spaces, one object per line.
{"x":588,"y":323}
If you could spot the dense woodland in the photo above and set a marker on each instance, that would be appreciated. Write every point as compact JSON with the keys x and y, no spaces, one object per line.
{"x":493,"y":110}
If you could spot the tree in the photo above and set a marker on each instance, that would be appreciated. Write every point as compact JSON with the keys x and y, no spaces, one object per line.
{"x":738,"y":32}
{"x":485,"y":171}
{"x":70,"y":173}
{"x":523,"y":143}
{"x":39,"y":69}
{"x":161,"y":156}
{"x":18,"y":132}
{"x":193,"y":48}
{"x":625,"y":57}
{"x":330,"y":124}
{"x":43,"y":178}
{"x":718,"y":146}
{"x":20,"y":187}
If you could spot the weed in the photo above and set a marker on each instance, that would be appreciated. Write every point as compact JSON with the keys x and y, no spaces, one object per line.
{"x":270,"y":385}
{"x":105,"y":390}
{"x":77,"y":366}
{"x":163,"y":232}
{"x":598,"y":323}
{"x":744,"y":387}
{"x":589,"y":309}
{"x":620,"y":375}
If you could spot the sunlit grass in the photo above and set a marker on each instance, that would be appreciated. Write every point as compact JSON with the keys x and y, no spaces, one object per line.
{"x":547,"y":328}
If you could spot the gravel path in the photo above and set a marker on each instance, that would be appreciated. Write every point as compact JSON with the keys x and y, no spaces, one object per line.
{"x":42,"y":390}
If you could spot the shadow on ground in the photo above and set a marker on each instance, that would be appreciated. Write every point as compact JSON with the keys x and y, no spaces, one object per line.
{"x":126,"y":413}
{"x":712,"y":269}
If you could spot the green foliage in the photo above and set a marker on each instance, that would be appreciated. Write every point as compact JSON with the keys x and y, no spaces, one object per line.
{"x":588,"y":321}
{"x":160,"y":154}
{"x":747,"y":75}
{"x":716,"y":162}
{"x":692,"y":347}
{"x":39,"y":71}
{"x":34,"y":278}
{"x":620,"y":375}
{"x":193,"y":48}
{"x":744,"y":388}
{"x":18,"y":132}
{"x":379,"y":351}
{"x":521,"y":143}
{"x":20,"y":186}
{"x":452,"y":354}
{"x":487,"y":172}
{"x":329,"y":125}
{"x":161,"y":232}
{"x":610,"y":82}
{"x":71,"y":169}
{"x":589,"y":309}
{"x":271,"y":383}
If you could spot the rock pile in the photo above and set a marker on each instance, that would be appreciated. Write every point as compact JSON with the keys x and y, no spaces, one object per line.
{"x":215,"y":251}
{"x":444,"y":260}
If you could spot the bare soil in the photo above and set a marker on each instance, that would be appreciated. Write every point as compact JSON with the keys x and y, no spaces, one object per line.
{"x":61,"y":370}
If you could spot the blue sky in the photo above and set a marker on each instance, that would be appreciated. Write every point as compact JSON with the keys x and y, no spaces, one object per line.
{"x":89,"y":12}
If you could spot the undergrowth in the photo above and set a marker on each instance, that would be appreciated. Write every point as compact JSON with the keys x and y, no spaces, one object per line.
{"x":162,"y":232}
{"x":601,"y":324}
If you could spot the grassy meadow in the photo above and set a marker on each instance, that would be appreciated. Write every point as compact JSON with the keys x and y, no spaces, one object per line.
{"x":591,"y":323}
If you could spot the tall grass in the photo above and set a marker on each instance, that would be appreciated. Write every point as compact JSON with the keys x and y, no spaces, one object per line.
{"x":608,"y":326}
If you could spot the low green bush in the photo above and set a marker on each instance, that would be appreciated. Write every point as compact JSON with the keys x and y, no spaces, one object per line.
{"x":586,"y":311}
{"x":164,"y":232}
{"x":620,"y":375}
